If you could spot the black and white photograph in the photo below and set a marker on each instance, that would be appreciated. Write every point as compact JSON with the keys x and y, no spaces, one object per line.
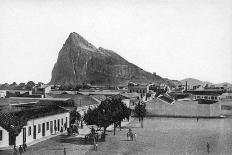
{"x":124,"y":77}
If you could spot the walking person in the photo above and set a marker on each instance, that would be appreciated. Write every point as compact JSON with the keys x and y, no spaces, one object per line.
{"x":135,"y":135}
{"x":207,"y":145}
{"x":24,"y":147}
{"x":20,"y":150}
{"x":94,"y":144}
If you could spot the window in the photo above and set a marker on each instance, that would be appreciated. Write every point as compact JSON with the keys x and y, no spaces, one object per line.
{"x":62,"y":121}
{"x":39,"y":128}
{"x":47,"y":125}
{"x":0,"y":134}
{"x":29,"y":130}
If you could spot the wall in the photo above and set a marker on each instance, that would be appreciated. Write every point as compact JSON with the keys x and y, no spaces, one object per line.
{"x":2,"y":93}
{"x":5,"y":138}
{"x":31,"y":123}
{"x":126,"y":102}
{"x":183,"y":108}
{"x":139,"y":89}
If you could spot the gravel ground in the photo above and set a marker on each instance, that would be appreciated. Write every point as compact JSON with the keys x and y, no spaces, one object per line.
{"x":172,"y":136}
{"x":161,"y":136}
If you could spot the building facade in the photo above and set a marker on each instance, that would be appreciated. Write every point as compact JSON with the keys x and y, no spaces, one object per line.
{"x":138,"y":88}
{"x":38,"y":126}
{"x":2,"y":93}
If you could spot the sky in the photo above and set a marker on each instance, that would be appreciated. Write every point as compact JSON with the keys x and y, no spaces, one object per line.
{"x":177,"y":39}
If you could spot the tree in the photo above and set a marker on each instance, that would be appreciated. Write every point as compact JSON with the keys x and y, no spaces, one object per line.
{"x":140,"y":112}
{"x":99,"y":116}
{"x":74,"y":115}
{"x":21,"y":86}
{"x":30,"y":85}
{"x":119,"y":111}
{"x":110,"y":111}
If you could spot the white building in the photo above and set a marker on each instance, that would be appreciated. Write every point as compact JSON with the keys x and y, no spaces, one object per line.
{"x":2,"y":93}
{"x":41,"y":122}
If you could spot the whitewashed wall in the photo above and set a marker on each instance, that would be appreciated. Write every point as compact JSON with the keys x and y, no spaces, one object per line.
{"x":189,"y":109}
{"x":29,"y":139}
{"x":31,"y":123}
{"x":5,"y":138}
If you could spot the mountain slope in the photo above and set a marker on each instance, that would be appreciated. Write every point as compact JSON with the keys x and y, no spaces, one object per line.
{"x":81,"y":62}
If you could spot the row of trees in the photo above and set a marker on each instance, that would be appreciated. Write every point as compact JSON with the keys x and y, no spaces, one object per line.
{"x":21,"y":86}
{"x":110,"y":111}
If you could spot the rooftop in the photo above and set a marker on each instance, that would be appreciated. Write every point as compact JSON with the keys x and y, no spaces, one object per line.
{"x":7,"y":119}
{"x":131,"y":95}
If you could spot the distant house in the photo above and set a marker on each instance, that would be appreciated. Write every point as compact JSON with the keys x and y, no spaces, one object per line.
{"x":196,"y":87}
{"x":41,"y":89}
{"x":2,"y":93}
{"x":206,"y":94}
{"x":61,"y":102}
{"x":226,"y":96}
{"x":142,"y":89}
{"x":20,"y":93}
{"x":130,"y":99}
{"x":165,"y":107}
{"x":36,"y":123}
{"x":229,"y":89}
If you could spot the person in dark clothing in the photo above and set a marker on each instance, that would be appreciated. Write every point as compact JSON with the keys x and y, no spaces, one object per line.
{"x":20,"y":150}
{"x":81,"y":124}
{"x":24,"y":147}
{"x":207,"y":145}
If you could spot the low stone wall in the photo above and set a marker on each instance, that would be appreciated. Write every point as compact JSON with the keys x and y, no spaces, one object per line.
{"x":157,"y":107}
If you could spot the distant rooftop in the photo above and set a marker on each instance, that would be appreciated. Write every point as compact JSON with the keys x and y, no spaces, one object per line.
{"x":131,"y":95}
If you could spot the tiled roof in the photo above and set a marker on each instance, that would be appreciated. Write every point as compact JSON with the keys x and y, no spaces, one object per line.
{"x":7,"y":119}
{"x":166,"y":98}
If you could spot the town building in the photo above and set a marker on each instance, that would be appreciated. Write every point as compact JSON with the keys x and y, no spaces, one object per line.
{"x":206,"y":94}
{"x":41,"y":90}
{"x":164,"y":106}
{"x":31,"y":125}
{"x":130,"y":99}
{"x":138,"y":88}
{"x":2,"y":93}
{"x":227,"y":96}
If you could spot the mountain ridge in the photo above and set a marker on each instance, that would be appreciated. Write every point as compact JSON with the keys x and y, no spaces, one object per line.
{"x":81,"y":62}
{"x":194,"y":81}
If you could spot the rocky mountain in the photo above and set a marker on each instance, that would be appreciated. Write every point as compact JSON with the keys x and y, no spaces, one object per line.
{"x":81,"y":62}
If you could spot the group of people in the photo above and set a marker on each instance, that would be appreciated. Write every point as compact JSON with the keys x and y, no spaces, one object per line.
{"x":22,"y":148}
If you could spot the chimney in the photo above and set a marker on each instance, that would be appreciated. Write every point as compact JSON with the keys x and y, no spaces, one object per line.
{"x":186,"y":84}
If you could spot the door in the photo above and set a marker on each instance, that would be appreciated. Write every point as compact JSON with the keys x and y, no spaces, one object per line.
{"x":43,"y":129}
{"x":55,"y":128}
{"x":12,"y":139}
{"x":34,"y":132}
{"x":24,"y":135}
{"x":58,"y":124}
{"x":51,"y":127}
